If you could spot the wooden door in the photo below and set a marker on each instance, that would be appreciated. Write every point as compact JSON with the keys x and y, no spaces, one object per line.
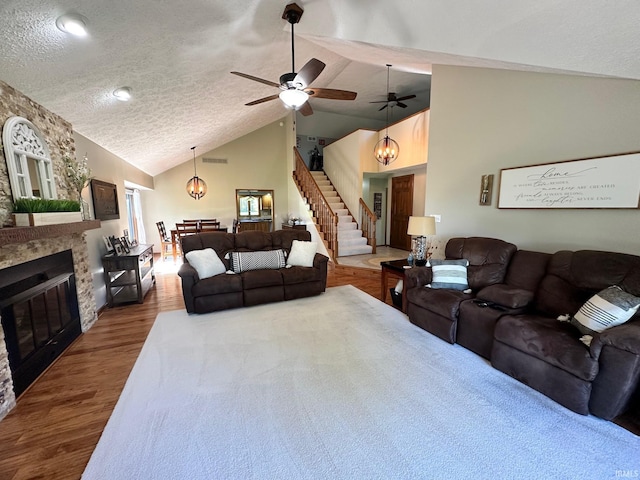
{"x":401,"y":210}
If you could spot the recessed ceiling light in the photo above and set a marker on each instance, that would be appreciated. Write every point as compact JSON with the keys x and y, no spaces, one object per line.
{"x":72,"y":23}
{"x":123,"y":94}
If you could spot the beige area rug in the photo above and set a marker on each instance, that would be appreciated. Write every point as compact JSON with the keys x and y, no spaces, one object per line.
{"x":337,"y":386}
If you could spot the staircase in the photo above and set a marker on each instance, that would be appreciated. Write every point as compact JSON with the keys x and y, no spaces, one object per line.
{"x":350,"y":238}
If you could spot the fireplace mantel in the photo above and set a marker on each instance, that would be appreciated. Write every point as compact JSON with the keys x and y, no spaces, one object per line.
{"x":12,"y":235}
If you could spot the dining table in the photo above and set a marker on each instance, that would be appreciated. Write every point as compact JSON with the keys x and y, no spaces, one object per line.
{"x":189,"y":230}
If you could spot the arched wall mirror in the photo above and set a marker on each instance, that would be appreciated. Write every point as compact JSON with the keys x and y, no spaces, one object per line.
{"x":28,"y":160}
{"x":254,"y":210}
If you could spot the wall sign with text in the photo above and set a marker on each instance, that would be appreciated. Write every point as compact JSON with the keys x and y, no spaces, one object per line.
{"x":603,"y":182}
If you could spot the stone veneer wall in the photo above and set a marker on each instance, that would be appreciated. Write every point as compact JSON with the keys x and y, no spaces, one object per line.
{"x":59,"y":136}
{"x":57,"y":132}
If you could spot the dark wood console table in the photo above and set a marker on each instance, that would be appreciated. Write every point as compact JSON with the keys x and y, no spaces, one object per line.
{"x":129,"y":277}
{"x":297,"y":226}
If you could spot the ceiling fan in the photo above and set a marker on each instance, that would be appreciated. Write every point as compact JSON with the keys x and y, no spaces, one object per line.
{"x":295,"y":89}
{"x":391,"y":98}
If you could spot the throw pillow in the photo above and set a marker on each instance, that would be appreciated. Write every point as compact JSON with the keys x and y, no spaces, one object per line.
{"x":260,"y":260}
{"x":302,"y":253}
{"x":206,"y":262}
{"x":449,"y":274}
{"x":608,"y":308}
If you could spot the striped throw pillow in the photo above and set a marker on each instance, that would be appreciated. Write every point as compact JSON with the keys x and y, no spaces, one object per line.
{"x":262,"y":260}
{"x":449,"y":274}
{"x":608,"y":308}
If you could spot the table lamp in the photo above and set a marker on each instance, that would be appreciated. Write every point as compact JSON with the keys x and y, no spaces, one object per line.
{"x":421,"y":228}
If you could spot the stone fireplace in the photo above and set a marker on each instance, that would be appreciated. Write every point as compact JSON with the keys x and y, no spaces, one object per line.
{"x":24,"y":244}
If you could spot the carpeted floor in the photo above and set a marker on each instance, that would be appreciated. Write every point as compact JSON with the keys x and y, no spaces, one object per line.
{"x":338,"y":386}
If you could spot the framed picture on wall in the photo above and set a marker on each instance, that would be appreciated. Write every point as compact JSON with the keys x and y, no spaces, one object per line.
{"x":105,"y":200}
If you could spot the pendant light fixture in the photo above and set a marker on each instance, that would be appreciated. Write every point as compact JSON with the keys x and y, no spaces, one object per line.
{"x":196,"y":187}
{"x":387,"y":149}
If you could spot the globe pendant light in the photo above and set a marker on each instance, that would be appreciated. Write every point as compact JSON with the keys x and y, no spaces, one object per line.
{"x":387,"y":149}
{"x":196,"y":187}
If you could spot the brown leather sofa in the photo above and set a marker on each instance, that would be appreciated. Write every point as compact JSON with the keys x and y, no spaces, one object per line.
{"x":436,"y":310}
{"x":514,"y":323}
{"x":251,"y":287}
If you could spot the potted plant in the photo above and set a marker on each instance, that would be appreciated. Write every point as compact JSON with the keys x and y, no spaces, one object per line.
{"x":31,"y":212}
{"x":78,"y":175}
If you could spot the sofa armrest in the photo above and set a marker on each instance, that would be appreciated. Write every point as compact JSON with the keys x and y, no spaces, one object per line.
{"x":189,"y":278}
{"x":320,"y":261}
{"x":506,"y":296}
{"x":417,"y":277}
{"x":623,"y":337}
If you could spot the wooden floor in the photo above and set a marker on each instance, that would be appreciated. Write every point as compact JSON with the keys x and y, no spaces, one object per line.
{"x":58,"y":420}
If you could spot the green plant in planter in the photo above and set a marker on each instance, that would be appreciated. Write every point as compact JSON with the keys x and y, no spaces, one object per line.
{"x":40,"y":205}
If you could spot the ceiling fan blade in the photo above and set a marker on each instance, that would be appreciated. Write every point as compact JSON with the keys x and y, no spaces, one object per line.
{"x":257,"y":79}
{"x":401,"y":105}
{"x":262,"y":100}
{"x":381,"y":101}
{"x":306,"y":109}
{"x":408,"y":97}
{"x":308,"y":73}
{"x":331,"y":93}
{"x":383,"y":107}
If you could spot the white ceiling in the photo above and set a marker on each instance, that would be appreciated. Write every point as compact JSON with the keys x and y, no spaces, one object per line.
{"x":176,"y":56}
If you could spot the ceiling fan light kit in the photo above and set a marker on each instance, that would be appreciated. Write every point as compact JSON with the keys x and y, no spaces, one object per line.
{"x":196,"y":187}
{"x":294,"y":98}
{"x":295,"y":87}
{"x":387,"y":149}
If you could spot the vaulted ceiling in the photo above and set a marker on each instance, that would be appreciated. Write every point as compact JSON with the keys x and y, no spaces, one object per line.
{"x":176,"y":57}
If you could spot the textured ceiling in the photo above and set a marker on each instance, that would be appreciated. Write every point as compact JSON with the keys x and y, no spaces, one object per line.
{"x":176,"y":56}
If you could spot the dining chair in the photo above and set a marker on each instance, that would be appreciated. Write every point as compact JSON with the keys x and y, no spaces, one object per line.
{"x":209,"y":226}
{"x":165,"y":242}
{"x":185,"y":229}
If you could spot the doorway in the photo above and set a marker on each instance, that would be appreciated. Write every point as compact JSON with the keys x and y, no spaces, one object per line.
{"x":401,"y":210}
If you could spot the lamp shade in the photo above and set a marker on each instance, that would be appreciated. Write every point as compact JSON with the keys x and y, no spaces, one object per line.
{"x":421,"y":226}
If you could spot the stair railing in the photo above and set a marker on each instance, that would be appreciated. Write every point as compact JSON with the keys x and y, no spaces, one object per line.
{"x":326,"y":218}
{"x":368,"y":224}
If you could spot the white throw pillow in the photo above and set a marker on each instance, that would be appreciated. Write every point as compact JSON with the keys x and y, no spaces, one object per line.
{"x":302,"y":253}
{"x":608,"y":308}
{"x":206,"y":262}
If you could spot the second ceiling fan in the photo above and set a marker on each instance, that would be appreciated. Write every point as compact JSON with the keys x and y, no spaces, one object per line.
{"x":295,"y":87}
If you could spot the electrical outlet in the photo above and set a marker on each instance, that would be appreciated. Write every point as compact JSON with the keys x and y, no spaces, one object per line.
{"x":437,"y":217}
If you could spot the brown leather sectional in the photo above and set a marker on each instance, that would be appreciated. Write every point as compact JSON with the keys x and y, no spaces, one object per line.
{"x":511,"y":318}
{"x":251,"y":287}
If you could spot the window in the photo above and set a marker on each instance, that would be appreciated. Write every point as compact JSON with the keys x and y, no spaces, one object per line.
{"x":134,"y":215}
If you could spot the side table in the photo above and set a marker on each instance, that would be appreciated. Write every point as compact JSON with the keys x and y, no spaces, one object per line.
{"x":395,"y":269}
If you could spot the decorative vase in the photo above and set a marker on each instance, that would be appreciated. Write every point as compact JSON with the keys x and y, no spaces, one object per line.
{"x":85,"y":210}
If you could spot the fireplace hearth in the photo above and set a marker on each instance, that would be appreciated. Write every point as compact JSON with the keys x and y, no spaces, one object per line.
{"x":39,"y":313}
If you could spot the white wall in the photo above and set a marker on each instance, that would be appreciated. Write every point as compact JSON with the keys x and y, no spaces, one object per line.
{"x":258,"y":161}
{"x":483,"y":120}
{"x":412,"y":136}
{"x":110,"y":168}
